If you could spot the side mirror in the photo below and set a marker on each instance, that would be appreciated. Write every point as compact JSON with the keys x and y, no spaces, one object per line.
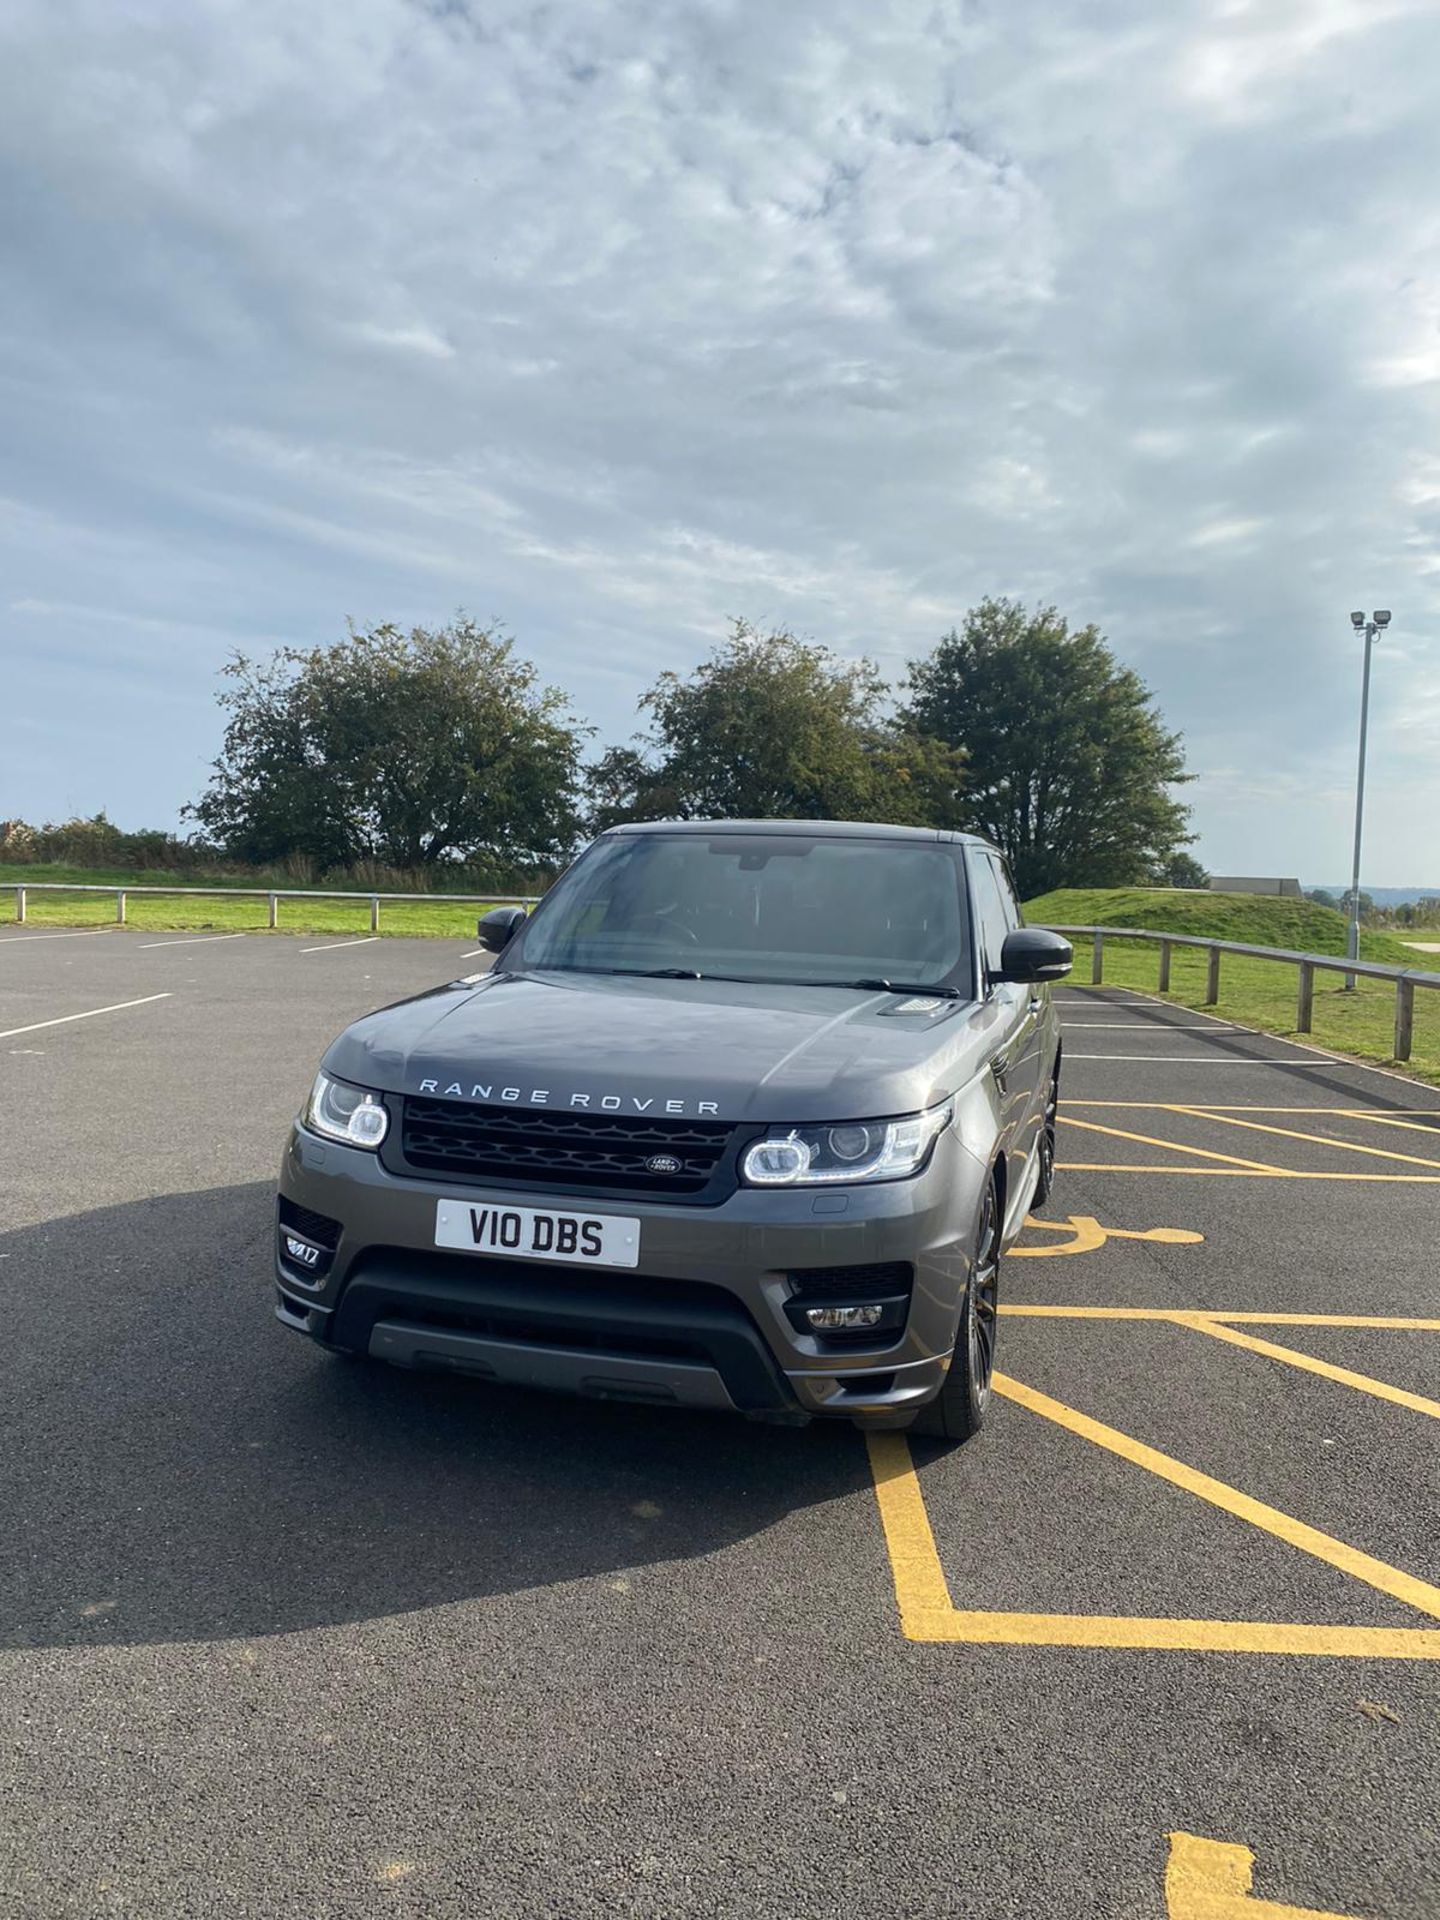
{"x":498,"y":928}
{"x":1035,"y":953}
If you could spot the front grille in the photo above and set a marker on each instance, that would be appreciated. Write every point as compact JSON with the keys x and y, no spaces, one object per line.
{"x":560,"y":1149}
{"x":881,"y":1280}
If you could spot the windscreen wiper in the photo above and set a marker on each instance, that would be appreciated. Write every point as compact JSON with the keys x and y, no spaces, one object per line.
{"x":897,"y":986}
{"x":657,"y":973}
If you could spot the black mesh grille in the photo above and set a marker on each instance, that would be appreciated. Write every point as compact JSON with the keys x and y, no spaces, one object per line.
{"x":562,"y":1149}
{"x":318,"y":1227}
{"x":881,"y":1280}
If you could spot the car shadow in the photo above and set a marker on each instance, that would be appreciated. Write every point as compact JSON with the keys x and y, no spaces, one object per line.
{"x":178,"y":1466}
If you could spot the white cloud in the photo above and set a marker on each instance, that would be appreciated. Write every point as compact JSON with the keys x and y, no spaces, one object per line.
{"x":1420,"y":367}
{"x":1249,"y":62}
{"x":416,"y":338}
{"x":1226,"y":533}
{"x":615,"y":321}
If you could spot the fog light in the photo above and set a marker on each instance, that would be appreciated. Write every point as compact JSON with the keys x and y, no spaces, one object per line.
{"x":839,"y":1319}
{"x":302,"y":1253}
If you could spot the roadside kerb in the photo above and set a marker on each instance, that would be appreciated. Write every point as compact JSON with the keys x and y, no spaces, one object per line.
{"x":1405,"y":979}
{"x":273,"y":895}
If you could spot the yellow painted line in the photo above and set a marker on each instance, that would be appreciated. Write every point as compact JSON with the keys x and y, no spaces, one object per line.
{"x":1283,"y":1526}
{"x":1183,"y":1316}
{"x":1246,"y":1173}
{"x":1172,"y":1146}
{"x":1389,"y":1120}
{"x":1168,"y":1106}
{"x":927,"y":1613}
{"x":1291,"y":1133}
{"x":1330,"y":1320}
{"x":1212,"y":1880}
{"x":1048,"y":1312}
{"x":1362,"y":1382}
{"x":920,"y":1586}
{"x":1159,"y":1634}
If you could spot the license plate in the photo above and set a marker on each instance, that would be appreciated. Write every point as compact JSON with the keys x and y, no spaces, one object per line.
{"x":538,"y":1233}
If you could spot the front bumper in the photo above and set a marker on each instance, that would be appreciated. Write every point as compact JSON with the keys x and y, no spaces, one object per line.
{"x":701,"y":1322}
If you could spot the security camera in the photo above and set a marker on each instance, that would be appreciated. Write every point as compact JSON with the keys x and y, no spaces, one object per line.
{"x":1357,"y":620}
{"x":1382,"y":616}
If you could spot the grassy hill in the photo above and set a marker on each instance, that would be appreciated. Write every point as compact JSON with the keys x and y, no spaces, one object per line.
{"x":1259,"y":920}
{"x":1255,"y":993}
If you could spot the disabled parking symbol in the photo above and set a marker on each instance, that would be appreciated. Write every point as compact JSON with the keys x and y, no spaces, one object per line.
{"x":1086,"y":1234}
{"x":1211,"y":1880}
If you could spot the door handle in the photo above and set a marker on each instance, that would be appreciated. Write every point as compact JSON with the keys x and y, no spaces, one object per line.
{"x":1000,"y":1066}
{"x":1037,"y":1005}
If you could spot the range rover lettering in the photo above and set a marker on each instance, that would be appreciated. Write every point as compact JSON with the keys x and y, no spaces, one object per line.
{"x":744,"y":1117}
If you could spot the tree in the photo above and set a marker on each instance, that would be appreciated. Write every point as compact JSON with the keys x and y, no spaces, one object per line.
{"x":1184,"y":870}
{"x":408,"y":749}
{"x":770,"y":727}
{"x":97,"y":842}
{"x":1068,"y":766}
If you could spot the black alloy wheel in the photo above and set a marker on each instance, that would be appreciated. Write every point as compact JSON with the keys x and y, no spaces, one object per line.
{"x":959,"y":1408}
{"x":1045,"y":1185}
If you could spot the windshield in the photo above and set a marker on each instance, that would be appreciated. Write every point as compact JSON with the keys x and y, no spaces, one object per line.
{"x":778,"y":907}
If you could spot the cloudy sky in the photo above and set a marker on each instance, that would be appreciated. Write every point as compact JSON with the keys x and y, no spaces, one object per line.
{"x":613,"y":320}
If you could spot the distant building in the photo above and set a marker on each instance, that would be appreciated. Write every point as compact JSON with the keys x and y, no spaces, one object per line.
{"x":1242,"y":883}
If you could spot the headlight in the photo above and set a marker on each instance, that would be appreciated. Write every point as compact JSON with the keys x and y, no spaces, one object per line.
{"x":342,"y":1112}
{"x":853,"y":1150}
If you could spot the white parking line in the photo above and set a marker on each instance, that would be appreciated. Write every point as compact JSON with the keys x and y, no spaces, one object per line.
{"x":194,"y":940}
{"x":473,"y":951}
{"x":1138,"y":1026}
{"x":1200,"y":1060}
{"x":1300,"y":1046}
{"x":66,"y":1018}
{"x":75,"y":933}
{"x":1103,"y":997}
{"x":334,"y":945}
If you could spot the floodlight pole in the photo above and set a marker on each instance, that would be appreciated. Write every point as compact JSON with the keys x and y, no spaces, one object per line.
{"x":1369,"y":628}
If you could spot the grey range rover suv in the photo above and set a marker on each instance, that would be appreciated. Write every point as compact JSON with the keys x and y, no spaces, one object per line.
{"x":744,"y":1116}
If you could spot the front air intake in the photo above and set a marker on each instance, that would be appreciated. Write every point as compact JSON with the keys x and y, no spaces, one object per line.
{"x":881,"y":1280}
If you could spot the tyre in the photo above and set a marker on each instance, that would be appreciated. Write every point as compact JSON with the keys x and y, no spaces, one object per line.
{"x":1045,"y":1185}
{"x":959,"y":1408}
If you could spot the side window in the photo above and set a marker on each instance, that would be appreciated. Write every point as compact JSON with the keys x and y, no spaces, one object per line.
{"x":1008,"y":902}
{"x":990,"y":922}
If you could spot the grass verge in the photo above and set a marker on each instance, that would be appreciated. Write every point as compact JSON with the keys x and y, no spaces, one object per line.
{"x":222,"y":913}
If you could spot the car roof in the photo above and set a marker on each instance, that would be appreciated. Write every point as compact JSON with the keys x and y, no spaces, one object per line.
{"x":829,"y":829}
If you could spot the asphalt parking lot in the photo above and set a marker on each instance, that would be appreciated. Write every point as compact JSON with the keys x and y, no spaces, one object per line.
{"x":290,"y":1637}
